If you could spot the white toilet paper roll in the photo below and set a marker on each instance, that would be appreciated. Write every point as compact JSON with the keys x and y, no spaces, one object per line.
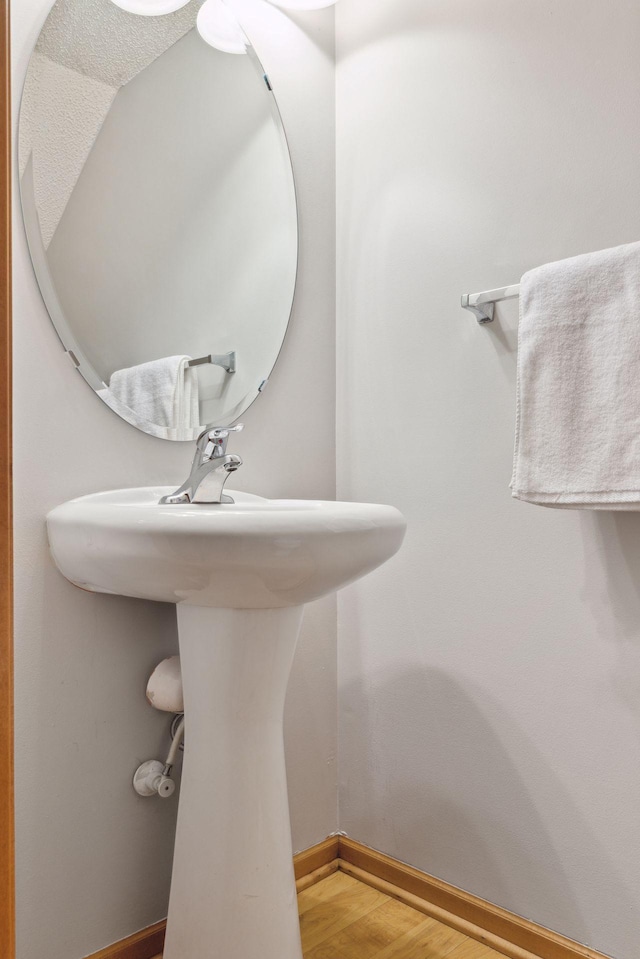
{"x":164,"y":689}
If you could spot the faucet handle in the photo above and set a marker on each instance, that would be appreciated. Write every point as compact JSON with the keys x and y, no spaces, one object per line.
{"x":222,"y":431}
{"x":213,"y":442}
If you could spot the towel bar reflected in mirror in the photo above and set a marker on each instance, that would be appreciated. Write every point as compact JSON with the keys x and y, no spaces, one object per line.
{"x":227,"y":361}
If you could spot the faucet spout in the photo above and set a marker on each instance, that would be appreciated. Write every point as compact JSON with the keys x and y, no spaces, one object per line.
{"x":210,"y":470}
{"x":210,"y":482}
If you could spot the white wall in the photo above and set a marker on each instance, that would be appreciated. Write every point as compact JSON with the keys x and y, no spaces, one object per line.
{"x":93,"y":860}
{"x":490,"y":674}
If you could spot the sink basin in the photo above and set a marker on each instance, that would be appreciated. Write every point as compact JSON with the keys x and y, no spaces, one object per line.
{"x":253,"y":554}
{"x":239,"y":575}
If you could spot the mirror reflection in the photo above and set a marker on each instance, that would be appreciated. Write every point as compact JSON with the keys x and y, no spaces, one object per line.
{"x":159,"y":206}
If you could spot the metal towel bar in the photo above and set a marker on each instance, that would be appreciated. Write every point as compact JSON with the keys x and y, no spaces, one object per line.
{"x":482,"y":305}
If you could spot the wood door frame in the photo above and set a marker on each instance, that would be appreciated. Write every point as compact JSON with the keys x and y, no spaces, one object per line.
{"x":7,"y":859}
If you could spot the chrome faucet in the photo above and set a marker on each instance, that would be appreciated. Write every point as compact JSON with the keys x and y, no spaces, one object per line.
{"x":210,"y":469}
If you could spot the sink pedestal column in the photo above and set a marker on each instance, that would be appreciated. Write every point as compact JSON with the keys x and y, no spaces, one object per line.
{"x":233,"y":892}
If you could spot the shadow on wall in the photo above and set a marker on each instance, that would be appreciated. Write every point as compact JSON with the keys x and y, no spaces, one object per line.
{"x":459,"y":805}
{"x":611,"y":543}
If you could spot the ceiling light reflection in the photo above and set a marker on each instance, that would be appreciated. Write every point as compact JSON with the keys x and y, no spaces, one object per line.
{"x":150,"y":8}
{"x":303,"y":4}
{"x":218,"y":26}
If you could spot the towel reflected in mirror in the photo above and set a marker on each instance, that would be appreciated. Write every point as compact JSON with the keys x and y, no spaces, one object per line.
{"x":162,"y":392}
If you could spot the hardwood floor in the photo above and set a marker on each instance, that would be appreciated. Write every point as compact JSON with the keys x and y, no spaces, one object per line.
{"x":342,"y":918}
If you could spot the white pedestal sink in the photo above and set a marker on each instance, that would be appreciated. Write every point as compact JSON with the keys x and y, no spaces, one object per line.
{"x":240,"y":575}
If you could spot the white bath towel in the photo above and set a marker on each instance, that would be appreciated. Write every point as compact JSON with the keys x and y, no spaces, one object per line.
{"x":162,"y":394}
{"x":578,"y":407}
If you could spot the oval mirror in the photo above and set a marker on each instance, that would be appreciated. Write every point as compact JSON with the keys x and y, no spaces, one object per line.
{"x":160,"y":211}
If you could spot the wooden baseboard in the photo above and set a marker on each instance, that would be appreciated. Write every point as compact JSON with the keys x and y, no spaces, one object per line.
{"x":310,"y":866}
{"x":146,"y":944}
{"x":503,"y":931}
{"x":511,"y":935}
{"x":323,"y":854}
